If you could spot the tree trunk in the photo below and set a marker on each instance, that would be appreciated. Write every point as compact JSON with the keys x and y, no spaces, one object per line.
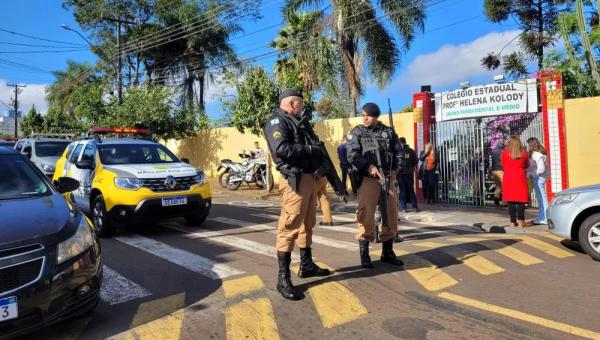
{"x":586,"y":44}
{"x":201,"y":92}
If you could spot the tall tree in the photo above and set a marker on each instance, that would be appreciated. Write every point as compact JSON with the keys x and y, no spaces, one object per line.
{"x":363,"y":39}
{"x":537,"y":20}
{"x":60,"y":94}
{"x":32,"y":122}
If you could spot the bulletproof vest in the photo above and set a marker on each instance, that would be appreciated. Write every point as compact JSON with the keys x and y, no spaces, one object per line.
{"x":377,"y":145}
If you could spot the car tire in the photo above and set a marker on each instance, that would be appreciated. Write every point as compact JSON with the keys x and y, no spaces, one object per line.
{"x":102,"y":223}
{"x":195,"y":220}
{"x":590,"y":228}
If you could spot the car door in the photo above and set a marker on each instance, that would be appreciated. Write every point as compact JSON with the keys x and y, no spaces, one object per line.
{"x":74,"y":172}
{"x":85,"y":177}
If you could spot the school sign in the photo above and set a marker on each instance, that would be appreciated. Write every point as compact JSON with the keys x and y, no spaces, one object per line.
{"x":487,"y":100}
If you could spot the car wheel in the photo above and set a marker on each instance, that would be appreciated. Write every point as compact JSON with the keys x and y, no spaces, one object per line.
{"x":195,"y":220}
{"x":589,"y":236}
{"x":102,"y":223}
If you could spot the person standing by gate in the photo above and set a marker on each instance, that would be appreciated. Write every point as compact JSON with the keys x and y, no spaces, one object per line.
{"x":406,"y":176}
{"x":497,"y":172}
{"x":538,"y":174}
{"x":370,"y":144}
{"x":427,"y":172}
{"x":515,"y":161}
{"x":296,"y":159}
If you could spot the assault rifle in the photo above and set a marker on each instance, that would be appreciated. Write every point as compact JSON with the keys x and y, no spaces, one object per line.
{"x":326,"y":168}
{"x":371,"y":144}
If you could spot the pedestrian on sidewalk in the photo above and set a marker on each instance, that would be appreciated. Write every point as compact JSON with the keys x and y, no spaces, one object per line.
{"x":344,"y":165}
{"x":406,"y":176}
{"x":427,"y":172}
{"x":324,"y":201}
{"x":375,"y":139}
{"x":297,"y":160}
{"x":497,"y":172}
{"x":515,"y":189}
{"x":538,"y":174}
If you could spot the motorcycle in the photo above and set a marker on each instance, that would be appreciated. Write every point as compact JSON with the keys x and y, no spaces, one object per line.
{"x":250,"y":170}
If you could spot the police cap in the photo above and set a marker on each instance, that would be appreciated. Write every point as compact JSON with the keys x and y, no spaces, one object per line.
{"x":371,"y":109}
{"x":290,"y":93}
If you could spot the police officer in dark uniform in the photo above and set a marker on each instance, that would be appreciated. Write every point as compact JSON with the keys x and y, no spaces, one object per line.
{"x":296,"y":159}
{"x":364,"y":142}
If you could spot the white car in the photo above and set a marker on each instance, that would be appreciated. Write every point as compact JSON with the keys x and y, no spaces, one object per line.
{"x":575,"y":215}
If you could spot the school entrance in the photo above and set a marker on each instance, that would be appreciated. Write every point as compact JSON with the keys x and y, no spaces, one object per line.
{"x":464,"y":149}
{"x":467,"y":124}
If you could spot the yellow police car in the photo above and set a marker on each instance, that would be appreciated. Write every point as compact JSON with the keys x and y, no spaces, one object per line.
{"x":126,"y":180}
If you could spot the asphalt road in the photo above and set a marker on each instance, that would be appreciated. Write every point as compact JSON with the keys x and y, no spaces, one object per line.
{"x":217,"y":281}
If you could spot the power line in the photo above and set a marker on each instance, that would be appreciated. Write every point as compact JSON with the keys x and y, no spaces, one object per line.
{"x":16,"y":104}
{"x":48,"y":51}
{"x":34,"y":45}
{"x":23,"y":66}
{"x":39,"y":38}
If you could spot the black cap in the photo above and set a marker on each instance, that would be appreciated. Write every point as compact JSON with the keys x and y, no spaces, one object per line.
{"x":290,"y":93}
{"x":402,"y":140}
{"x":371,"y":109}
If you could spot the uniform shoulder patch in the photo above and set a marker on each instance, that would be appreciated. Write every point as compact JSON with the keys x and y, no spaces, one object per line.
{"x":350,"y":137}
{"x":277,"y":135}
{"x":275,"y":121}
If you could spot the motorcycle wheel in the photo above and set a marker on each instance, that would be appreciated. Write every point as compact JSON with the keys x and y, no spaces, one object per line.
{"x":234,"y":186}
{"x":224,"y":179}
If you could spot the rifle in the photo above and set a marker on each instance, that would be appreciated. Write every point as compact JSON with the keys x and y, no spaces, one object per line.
{"x":370,"y":144}
{"x":327,"y":168}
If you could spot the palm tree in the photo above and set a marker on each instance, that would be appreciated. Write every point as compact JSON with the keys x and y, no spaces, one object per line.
{"x":59,"y":93}
{"x":363,"y":39}
{"x":307,"y":54}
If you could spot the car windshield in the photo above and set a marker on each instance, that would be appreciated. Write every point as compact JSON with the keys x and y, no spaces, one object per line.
{"x":19,"y":180}
{"x":50,"y":149}
{"x":135,"y":154}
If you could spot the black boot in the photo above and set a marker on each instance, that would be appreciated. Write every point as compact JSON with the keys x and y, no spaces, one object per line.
{"x":307,"y":267}
{"x":365,"y":259}
{"x":388,"y":255}
{"x":284,"y":284}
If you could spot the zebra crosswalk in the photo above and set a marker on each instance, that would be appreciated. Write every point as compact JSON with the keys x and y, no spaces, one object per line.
{"x":249,"y":303}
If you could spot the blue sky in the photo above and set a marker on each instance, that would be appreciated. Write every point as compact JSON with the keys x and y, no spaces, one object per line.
{"x":457,"y":36}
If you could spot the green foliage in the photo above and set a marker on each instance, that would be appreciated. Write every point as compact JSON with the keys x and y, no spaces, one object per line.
{"x":328,"y":108}
{"x":32,"y":122}
{"x":148,"y":107}
{"x":256,"y":99}
{"x":577,"y":81}
{"x":56,"y":121}
{"x":536,"y":19}
{"x":408,"y":108}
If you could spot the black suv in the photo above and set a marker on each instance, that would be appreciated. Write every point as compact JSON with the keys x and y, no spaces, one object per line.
{"x":50,"y":267}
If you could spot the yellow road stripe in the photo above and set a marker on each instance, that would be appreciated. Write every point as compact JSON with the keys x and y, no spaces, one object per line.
{"x":545,"y":247}
{"x":521,"y":316}
{"x":251,"y":319}
{"x":168,"y":327}
{"x":155,"y":309}
{"x":425,"y":273}
{"x":553,"y":237}
{"x":242,"y":285}
{"x":472,"y":260}
{"x":336,"y":304}
{"x":508,"y":251}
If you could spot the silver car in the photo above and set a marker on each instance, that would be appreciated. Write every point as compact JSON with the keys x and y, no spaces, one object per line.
{"x":43,"y":152}
{"x":575,"y":215}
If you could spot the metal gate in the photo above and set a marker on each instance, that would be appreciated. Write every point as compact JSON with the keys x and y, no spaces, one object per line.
{"x":464,"y":151}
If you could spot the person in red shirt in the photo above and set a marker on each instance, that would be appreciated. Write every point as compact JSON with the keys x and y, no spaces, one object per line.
{"x":515,"y":189}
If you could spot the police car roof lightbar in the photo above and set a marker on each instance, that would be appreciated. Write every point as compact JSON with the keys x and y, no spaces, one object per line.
{"x":120,"y":131}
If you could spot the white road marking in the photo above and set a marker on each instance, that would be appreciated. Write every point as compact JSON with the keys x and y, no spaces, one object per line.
{"x":264,"y":227}
{"x":180,"y":257}
{"x":231,"y":241}
{"x":118,"y":289}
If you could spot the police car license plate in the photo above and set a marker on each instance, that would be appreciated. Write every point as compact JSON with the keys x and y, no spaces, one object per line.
{"x":8,"y":308}
{"x":170,"y":201}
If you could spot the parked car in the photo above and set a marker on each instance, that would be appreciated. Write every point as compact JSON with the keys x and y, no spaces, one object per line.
{"x":43,"y":151}
{"x":7,"y":143}
{"x":575,"y":215}
{"x":50,"y":267}
{"x":126,"y":180}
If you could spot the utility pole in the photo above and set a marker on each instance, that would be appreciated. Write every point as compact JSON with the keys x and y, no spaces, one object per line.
{"x":119,"y":21}
{"x":16,"y":105}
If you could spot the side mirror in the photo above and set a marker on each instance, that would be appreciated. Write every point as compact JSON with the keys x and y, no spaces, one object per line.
{"x":67,"y":184}
{"x":85,"y":164}
{"x":27,"y":153}
{"x":185,"y":160}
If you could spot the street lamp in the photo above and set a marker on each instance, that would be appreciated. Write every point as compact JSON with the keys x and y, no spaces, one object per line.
{"x":68,"y":28}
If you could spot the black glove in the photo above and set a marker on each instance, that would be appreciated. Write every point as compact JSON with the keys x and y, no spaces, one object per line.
{"x":315,"y":152}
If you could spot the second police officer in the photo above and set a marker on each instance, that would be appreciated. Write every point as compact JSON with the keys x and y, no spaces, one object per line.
{"x":363,"y":140}
{"x":296,"y":159}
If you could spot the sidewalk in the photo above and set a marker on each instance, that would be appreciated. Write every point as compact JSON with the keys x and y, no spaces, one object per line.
{"x":489,"y":219}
